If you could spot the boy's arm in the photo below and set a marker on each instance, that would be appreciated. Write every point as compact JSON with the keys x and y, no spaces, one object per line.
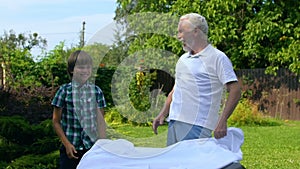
{"x":101,"y":123}
{"x":70,"y":149}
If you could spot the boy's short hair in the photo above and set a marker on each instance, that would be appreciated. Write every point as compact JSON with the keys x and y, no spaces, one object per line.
{"x":78,"y":57}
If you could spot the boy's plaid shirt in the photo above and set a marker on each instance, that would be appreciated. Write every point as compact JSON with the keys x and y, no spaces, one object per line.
{"x":79,"y":112}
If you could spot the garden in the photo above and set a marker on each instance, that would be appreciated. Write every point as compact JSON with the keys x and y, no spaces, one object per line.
{"x":255,"y":35}
{"x":269,"y":142}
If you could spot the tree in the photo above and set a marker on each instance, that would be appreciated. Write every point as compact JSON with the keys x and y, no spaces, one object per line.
{"x":16,"y":58}
{"x":254,"y":34}
{"x":272,"y":37}
{"x":51,"y":70}
{"x":100,"y":53}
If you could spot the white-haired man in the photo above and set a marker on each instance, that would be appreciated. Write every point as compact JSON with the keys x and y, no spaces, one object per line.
{"x":193,"y":106}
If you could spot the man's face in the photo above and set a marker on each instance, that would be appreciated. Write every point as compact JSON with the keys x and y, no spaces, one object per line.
{"x":82,"y":73}
{"x":186,"y":35}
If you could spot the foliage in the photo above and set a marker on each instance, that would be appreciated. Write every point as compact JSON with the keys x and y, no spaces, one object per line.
{"x":19,"y":137}
{"x":254,"y":34}
{"x":24,"y":70}
{"x":141,"y":115}
{"x":132,"y":81}
{"x":9,"y":150}
{"x":48,"y":161}
{"x":101,"y":55}
{"x":104,"y":81}
{"x":247,"y":114}
{"x":139,"y":90}
{"x":48,"y":69}
{"x":272,"y":37}
{"x":132,"y":95}
{"x":112,"y":116}
{"x":260,"y":143}
{"x":16,"y":59}
{"x":52,"y":69}
{"x":16,"y":130}
{"x":118,"y":51}
{"x":32,"y":103}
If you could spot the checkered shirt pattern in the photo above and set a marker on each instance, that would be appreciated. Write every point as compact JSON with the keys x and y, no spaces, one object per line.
{"x":79,"y":105}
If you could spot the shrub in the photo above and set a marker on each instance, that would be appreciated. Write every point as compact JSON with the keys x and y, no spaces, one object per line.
{"x":103,"y":80}
{"x":49,"y":161}
{"x":128,"y":114}
{"x":134,"y":97}
{"x":114,"y":117}
{"x":247,"y":113}
{"x":9,"y":151}
{"x":32,"y":103}
{"x":18,"y":137}
{"x":44,"y":146}
{"x":17,"y":130}
{"x":44,"y":129}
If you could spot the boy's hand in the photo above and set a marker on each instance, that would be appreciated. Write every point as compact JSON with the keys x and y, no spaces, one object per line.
{"x":71,"y":151}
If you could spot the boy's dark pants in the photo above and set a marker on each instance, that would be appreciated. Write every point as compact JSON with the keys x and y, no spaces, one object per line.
{"x":65,"y":162}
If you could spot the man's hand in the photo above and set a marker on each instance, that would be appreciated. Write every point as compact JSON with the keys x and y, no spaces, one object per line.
{"x":221,"y":130}
{"x":157,"y":122}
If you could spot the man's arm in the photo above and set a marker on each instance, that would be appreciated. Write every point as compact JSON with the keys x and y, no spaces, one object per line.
{"x":232,"y":100}
{"x":159,"y":120}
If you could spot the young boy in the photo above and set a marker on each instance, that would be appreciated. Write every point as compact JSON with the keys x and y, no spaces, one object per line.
{"x":78,"y":115}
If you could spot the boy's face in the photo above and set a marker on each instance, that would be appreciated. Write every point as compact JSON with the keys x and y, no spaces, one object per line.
{"x":82,"y":73}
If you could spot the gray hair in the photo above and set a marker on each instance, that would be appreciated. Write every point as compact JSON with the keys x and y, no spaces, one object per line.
{"x":197,"y":21}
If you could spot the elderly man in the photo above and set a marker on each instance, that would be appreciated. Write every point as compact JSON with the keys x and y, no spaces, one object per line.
{"x":193,"y":106}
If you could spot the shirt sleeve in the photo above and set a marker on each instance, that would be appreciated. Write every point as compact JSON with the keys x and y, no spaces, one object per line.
{"x":225,"y":70}
{"x":101,"y":103}
{"x":59,"y":98}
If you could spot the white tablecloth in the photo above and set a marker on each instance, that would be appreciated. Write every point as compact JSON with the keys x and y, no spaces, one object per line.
{"x":189,"y":154}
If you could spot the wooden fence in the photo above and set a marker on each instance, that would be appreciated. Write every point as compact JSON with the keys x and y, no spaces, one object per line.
{"x":277,"y":96}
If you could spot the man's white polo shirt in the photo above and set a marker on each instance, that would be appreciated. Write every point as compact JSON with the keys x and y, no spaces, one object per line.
{"x":199,"y":85}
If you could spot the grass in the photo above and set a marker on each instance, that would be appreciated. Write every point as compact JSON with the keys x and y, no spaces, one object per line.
{"x":272,"y":147}
{"x":264,"y":147}
{"x":140,"y":136}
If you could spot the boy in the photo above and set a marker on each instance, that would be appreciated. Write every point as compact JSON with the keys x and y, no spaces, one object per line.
{"x":78,"y":115}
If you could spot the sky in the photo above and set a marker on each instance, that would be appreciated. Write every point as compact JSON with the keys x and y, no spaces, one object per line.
{"x":59,"y":20}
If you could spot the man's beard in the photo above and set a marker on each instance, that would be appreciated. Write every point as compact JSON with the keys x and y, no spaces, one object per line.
{"x":186,"y":48}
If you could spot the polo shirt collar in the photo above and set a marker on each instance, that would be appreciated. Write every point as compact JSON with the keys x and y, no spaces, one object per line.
{"x":201,"y":53}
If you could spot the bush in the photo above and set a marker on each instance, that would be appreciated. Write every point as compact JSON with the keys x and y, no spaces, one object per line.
{"x":9,"y":151}
{"x":44,"y":146}
{"x":32,"y":103}
{"x":17,"y":130}
{"x":103,"y":80}
{"x":114,"y":117}
{"x":247,"y":114}
{"x":49,"y":161}
{"x":128,"y":114}
{"x":18,"y":137}
{"x":134,"y":98}
{"x":44,"y":129}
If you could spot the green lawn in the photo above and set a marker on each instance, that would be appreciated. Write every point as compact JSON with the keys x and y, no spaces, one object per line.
{"x":264,"y":147}
{"x":272,"y":147}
